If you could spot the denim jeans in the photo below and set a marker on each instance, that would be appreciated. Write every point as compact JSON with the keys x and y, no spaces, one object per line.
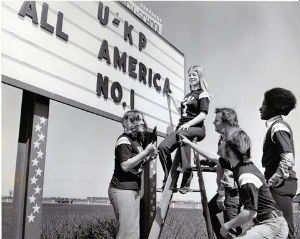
{"x":170,"y":143}
{"x":126,"y":204}
{"x":273,"y":228}
{"x":231,"y":210}
{"x":283,"y":195}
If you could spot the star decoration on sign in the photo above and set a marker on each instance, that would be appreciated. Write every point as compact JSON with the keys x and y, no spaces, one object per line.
{"x":35,"y":162}
{"x":33,"y":180}
{"x":32,"y":199}
{"x":38,"y":172}
{"x":40,"y":154}
{"x":37,"y":128}
{"x":41,"y":136}
{"x":43,"y":120}
{"x":36,"y":144}
{"x":36,"y":209}
{"x":35,"y":185}
{"x":31,"y":218}
{"x":37,"y":189}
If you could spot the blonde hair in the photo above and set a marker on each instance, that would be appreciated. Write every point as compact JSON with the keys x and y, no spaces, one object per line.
{"x":200,"y":72}
{"x":130,"y":120}
{"x":240,"y":143}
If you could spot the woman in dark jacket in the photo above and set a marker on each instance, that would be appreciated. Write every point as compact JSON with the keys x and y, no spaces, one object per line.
{"x":126,"y":181}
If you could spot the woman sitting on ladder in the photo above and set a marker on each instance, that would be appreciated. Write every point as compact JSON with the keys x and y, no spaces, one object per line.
{"x":193,"y":111}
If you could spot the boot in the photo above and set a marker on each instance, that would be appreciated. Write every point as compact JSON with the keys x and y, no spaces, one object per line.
{"x":186,"y":181}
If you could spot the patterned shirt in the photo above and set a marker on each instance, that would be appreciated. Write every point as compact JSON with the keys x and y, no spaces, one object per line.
{"x":226,"y":180}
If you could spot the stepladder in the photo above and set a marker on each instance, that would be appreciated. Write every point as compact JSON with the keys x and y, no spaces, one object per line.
{"x":170,"y":188}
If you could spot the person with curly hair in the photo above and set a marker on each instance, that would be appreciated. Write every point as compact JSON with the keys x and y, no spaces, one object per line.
{"x":254,"y":192}
{"x":278,"y":150}
{"x":125,"y":184}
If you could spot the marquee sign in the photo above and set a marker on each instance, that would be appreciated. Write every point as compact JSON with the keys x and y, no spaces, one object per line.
{"x":145,"y":14}
{"x":97,"y":56}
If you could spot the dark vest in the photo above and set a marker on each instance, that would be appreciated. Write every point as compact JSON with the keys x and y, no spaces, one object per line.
{"x":271,"y":157}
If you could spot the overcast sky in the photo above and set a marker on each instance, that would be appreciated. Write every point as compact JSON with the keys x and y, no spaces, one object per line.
{"x":245,"y":49}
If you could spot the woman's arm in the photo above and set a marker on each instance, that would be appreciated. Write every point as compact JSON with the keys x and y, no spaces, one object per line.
{"x":134,"y":161}
{"x":212,"y":156}
{"x":199,"y":118}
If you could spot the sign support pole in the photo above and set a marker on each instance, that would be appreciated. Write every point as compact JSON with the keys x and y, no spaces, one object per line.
{"x":29,"y":175}
{"x":148,"y":199}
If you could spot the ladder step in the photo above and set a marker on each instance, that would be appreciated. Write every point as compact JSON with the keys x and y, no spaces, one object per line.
{"x":160,"y":190}
{"x":205,"y":169}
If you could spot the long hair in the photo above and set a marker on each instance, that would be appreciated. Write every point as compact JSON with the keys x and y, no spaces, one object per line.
{"x":130,"y":120}
{"x":200,"y":72}
{"x":239,"y":142}
{"x":229,"y":116}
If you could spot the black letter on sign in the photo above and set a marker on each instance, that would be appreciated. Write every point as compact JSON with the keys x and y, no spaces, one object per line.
{"x":127,"y":32}
{"x":44,"y":17}
{"x":155,"y":78}
{"x":142,"y":72}
{"x":29,"y":9}
{"x":167,"y":86}
{"x":150,"y":77}
{"x":119,"y":61}
{"x":131,"y":99}
{"x":104,"y":52}
{"x":142,"y":41}
{"x":103,"y":20}
{"x":59,"y":23}
{"x":114,"y":86}
{"x":102,"y":85}
{"x":132,"y":67}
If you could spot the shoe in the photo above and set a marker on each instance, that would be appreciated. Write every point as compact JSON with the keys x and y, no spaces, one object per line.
{"x":186,"y":182}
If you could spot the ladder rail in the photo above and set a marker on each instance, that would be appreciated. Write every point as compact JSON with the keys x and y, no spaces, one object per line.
{"x":204,"y":201}
{"x":166,"y":197}
{"x":165,"y":200}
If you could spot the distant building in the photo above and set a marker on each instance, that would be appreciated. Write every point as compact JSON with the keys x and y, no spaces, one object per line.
{"x":98,"y":200}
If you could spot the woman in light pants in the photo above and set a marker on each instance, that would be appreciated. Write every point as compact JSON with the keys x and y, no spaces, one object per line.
{"x":126,"y":205}
{"x":124,"y":187}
